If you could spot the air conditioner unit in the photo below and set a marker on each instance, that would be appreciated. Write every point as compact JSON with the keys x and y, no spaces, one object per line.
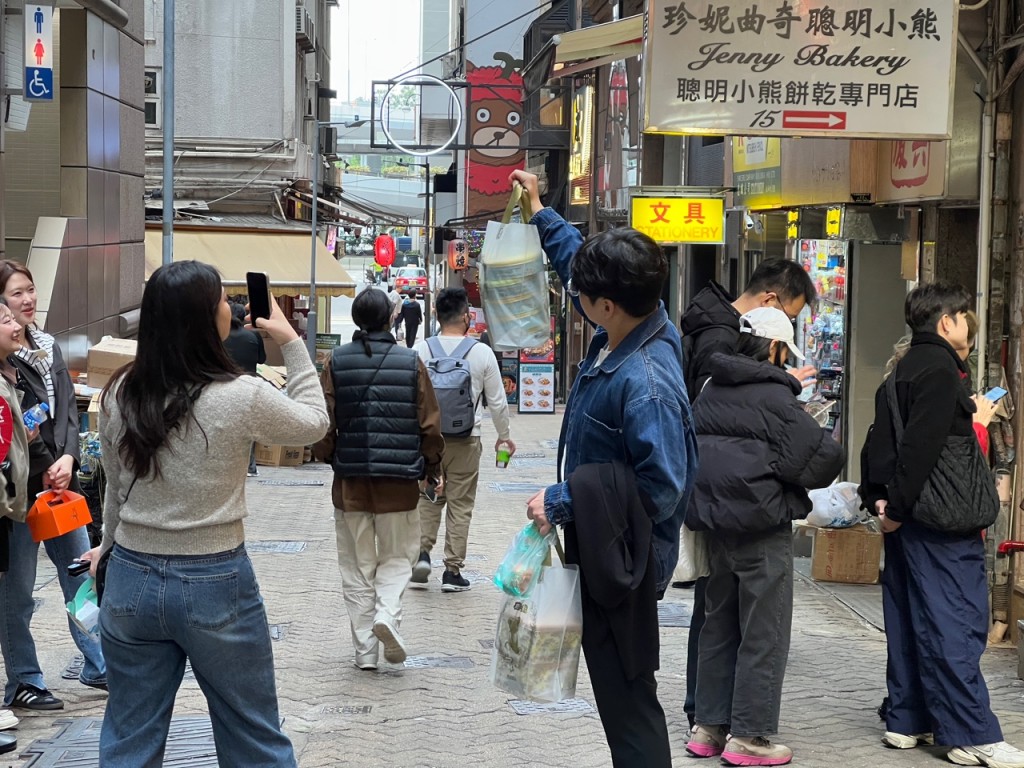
{"x":305,"y":34}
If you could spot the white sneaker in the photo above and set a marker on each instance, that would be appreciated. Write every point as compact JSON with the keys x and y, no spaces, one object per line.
{"x":906,"y":741}
{"x":999,"y":755}
{"x":394,"y":648}
{"x":7,"y":719}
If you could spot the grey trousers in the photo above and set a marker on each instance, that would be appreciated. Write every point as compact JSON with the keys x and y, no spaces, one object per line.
{"x":744,"y":645}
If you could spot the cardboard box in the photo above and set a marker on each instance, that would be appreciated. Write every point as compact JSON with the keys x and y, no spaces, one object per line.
{"x":107,"y":356}
{"x":847,"y":555}
{"x":279,"y":455}
{"x":94,"y":413}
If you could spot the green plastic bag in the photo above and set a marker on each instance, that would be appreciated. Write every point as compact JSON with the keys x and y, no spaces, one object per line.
{"x":520,"y":568}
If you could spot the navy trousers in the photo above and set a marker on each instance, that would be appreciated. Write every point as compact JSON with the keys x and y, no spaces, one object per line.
{"x":935,"y":599}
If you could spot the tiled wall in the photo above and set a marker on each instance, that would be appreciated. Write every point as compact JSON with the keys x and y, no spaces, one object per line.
{"x":100,"y":271}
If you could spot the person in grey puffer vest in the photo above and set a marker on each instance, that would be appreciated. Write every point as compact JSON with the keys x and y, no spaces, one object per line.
{"x":384,"y":442}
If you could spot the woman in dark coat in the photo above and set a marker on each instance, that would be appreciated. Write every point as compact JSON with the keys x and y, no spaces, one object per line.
{"x":759,"y":453}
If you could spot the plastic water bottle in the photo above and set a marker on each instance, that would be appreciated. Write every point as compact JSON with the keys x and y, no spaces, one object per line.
{"x":36,"y":415}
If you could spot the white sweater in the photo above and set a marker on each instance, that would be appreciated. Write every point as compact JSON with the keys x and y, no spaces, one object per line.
{"x":198,"y":504}
{"x":486,"y":375}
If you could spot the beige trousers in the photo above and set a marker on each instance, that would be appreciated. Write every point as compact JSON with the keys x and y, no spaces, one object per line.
{"x":461,"y":465}
{"x":375,"y":556}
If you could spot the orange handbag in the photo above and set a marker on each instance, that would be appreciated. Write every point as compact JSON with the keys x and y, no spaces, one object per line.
{"x":54,"y":514}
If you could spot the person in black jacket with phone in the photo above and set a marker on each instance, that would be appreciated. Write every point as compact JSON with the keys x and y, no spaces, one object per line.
{"x":759,"y":453}
{"x":934,"y":587}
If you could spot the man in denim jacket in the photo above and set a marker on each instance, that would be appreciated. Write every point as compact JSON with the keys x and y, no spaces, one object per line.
{"x":628,"y":404}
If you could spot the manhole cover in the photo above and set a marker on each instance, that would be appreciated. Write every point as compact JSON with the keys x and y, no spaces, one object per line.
{"x":293,"y":483}
{"x":278,"y":631}
{"x":77,"y":744}
{"x":276,"y":547}
{"x":673,"y":615}
{"x":517,"y":487}
{"x":439,"y":662}
{"x":518,"y":463}
{"x":348,"y":710}
{"x":488,"y":644}
{"x":530,"y":455}
{"x":581,"y":706}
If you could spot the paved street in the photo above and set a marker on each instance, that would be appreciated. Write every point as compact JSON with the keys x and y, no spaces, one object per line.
{"x":450,"y":716}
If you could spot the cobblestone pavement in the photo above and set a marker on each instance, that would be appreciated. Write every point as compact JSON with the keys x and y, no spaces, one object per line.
{"x":451,"y":716}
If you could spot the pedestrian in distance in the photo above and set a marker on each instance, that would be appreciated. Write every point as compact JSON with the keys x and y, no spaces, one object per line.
{"x":245,"y":347}
{"x":628,"y":405}
{"x":934,"y":586}
{"x":384,"y":442}
{"x":454,"y":359}
{"x":759,"y":452}
{"x":43,"y":378}
{"x":412,"y":317}
{"x":396,"y":309}
{"x":711,"y":325}
{"x":176,"y":430}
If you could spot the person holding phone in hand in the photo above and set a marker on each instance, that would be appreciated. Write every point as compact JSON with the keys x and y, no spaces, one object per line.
{"x":385,"y":445}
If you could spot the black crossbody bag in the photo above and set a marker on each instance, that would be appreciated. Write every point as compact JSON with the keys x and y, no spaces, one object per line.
{"x":959,"y":495}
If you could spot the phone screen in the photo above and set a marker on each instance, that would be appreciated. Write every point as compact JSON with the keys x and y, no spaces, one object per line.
{"x":996,"y":394}
{"x":259,"y":294}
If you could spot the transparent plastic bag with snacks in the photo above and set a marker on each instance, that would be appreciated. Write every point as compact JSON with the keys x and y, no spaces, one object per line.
{"x":520,"y":568}
{"x":514,"y":281}
{"x":537,"y":644}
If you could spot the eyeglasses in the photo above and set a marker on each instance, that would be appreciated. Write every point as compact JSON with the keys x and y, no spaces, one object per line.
{"x":782,"y":308}
{"x":572,"y":290}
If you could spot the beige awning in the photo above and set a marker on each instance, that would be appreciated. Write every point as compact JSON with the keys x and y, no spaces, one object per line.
{"x":284,"y":256}
{"x":582,"y":49}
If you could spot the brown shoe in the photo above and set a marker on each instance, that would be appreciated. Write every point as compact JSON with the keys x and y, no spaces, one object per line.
{"x":755,"y":751}
{"x":707,"y":740}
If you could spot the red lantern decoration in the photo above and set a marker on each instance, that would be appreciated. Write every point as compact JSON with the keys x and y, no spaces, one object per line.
{"x":384,"y":250}
{"x":458,"y":255}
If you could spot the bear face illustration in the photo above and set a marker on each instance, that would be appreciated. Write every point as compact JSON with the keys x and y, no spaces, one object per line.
{"x":494,"y":129}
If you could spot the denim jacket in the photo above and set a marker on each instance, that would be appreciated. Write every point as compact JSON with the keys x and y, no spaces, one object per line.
{"x":632,"y":408}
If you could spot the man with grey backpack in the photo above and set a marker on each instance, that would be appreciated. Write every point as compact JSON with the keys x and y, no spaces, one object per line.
{"x":465,"y":377}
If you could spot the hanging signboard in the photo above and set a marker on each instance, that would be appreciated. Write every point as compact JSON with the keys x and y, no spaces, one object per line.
{"x":673,"y":220}
{"x":837,"y":68}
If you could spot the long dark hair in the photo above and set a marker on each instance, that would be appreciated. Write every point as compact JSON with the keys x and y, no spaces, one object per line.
{"x":180,"y":352}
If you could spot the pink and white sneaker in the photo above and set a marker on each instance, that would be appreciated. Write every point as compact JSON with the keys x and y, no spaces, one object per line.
{"x":755,"y":751}
{"x":707,"y":740}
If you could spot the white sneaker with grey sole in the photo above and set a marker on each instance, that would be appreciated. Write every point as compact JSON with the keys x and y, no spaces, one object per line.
{"x":7,"y":719}
{"x":998,"y":755}
{"x":906,"y":741}
{"x":394,"y":648}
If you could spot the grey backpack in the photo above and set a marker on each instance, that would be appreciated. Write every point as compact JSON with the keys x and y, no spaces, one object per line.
{"x":453,"y":386}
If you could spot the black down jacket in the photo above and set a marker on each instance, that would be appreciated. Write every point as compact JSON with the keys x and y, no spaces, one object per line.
{"x":759,"y":450}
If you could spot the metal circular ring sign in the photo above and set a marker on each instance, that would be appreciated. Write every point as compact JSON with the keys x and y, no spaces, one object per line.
{"x":419,"y":80}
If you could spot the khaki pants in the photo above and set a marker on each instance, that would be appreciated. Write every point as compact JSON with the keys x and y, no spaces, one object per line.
{"x":461,"y":466}
{"x":375,"y":556}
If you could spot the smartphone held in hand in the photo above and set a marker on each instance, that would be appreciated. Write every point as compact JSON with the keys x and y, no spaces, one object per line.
{"x":996,"y":394}
{"x":258,"y":285}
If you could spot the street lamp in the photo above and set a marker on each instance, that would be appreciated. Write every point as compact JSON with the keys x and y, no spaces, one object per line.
{"x":311,"y":316}
{"x":426,"y":238}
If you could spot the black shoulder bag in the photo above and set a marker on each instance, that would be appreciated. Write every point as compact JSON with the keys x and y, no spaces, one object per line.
{"x":959,"y":495}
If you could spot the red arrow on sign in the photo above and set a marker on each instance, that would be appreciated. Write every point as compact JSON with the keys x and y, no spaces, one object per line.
{"x":835,"y":121}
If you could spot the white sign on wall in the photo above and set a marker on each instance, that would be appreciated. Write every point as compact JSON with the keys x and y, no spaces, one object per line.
{"x":839,"y":68}
{"x":38,"y":52}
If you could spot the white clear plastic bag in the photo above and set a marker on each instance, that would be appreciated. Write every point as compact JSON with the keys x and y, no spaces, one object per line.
{"x":837,"y":506}
{"x":537,"y":644}
{"x":514,"y":282}
{"x":694,"y":561}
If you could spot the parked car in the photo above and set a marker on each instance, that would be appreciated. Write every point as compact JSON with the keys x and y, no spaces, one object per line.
{"x":412,"y":281}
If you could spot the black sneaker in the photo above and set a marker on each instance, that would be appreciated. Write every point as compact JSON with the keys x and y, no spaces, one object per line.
{"x":421,"y":570}
{"x":454,"y":582}
{"x":30,"y":697}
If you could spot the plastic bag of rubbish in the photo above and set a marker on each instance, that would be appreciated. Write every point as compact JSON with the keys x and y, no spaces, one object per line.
{"x":837,"y":506}
{"x":518,"y":572}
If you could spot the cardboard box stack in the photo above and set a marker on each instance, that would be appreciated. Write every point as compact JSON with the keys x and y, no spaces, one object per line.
{"x":107,"y":356}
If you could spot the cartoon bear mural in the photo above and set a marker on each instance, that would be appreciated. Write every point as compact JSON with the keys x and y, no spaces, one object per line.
{"x":495,"y":131}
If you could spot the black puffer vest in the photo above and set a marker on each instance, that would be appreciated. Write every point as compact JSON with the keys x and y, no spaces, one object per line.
{"x":375,"y":409}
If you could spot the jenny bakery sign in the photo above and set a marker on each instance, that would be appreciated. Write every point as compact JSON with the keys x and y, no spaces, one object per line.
{"x":846,"y":68}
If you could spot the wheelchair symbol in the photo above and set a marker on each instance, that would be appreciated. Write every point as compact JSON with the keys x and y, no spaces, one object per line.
{"x":37,"y":87}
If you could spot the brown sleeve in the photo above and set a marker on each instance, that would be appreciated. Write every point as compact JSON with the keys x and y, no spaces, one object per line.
{"x":324,"y":450}
{"x":431,"y":441}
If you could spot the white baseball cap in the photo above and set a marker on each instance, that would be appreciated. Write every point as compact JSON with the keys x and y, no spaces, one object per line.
{"x":771,"y":323}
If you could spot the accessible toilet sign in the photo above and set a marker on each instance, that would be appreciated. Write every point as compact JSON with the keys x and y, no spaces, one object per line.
{"x":835,"y":68}
{"x":38,"y":52}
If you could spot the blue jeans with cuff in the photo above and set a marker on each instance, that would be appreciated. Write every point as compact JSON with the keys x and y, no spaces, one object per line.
{"x":16,"y":607}
{"x":158,"y":611}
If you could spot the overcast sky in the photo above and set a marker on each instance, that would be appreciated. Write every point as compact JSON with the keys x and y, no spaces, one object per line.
{"x":363,"y":49}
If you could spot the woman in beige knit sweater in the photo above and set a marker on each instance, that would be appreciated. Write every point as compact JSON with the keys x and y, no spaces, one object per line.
{"x":176,"y":427}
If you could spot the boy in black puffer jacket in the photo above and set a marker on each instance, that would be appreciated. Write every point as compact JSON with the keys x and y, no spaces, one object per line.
{"x":759,"y":453}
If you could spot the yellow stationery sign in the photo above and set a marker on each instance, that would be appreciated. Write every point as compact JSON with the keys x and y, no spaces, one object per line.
{"x":669,"y":220}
